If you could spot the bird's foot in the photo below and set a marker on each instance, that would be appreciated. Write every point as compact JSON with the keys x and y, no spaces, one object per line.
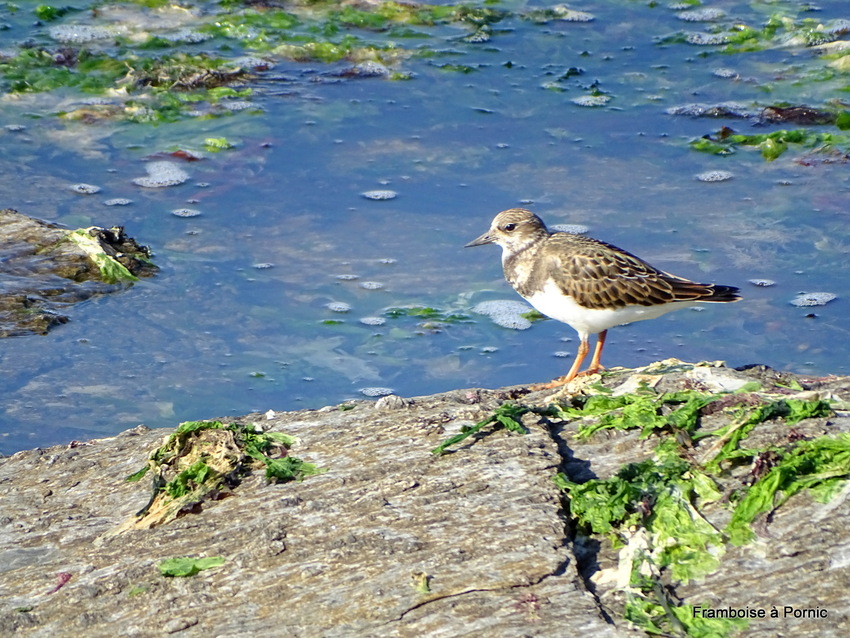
{"x":554,"y":383}
{"x":566,"y":379}
{"x":590,"y":371}
{"x":566,"y":388}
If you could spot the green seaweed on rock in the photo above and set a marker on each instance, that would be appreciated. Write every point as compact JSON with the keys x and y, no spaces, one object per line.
{"x":46,"y":12}
{"x":744,"y":419}
{"x":506,"y":416}
{"x":202,"y":458}
{"x":651,"y":509}
{"x":821,"y":464}
{"x":184,"y":566}
{"x":657,"y":494}
{"x":645,"y":409}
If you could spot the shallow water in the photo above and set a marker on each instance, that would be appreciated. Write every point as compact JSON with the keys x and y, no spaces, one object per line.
{"x":237,"y":320}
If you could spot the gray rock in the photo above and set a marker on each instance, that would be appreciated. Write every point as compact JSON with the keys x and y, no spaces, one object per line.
{"x":390,"y":541}
{"x":46,"y":268}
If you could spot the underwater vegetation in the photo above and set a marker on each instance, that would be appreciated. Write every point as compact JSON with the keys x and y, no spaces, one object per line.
{"x":152,"y":61}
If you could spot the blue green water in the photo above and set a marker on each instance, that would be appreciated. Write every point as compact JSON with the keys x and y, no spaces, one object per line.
{"x":237,"y":319}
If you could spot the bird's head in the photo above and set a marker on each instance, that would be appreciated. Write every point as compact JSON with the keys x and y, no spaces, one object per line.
{"x":514,"y":230}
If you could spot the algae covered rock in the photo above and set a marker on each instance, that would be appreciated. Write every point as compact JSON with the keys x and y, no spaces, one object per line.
{"x":46,"y":268}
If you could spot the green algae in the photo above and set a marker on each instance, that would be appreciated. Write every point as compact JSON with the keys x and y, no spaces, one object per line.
{"x":142,"y":72}
{"x":772,"y":145}
{"x":218,"y":144}
{"x":184,"y":566}
{"x":645,"y":410}
{"x":111,"y":270}
{"x":38,"y":70}
{"x":506,"y":416}
{"x":746,"y":418}
{"x":325,"y":32}
{"x":649,"y":508}
{"x":426,"y":313}
{"x":202,"y":458}
{"x":821,"y":465}
{"x":652,"y":508}
{"x":47,"y":12}
{"x":256,"y":30}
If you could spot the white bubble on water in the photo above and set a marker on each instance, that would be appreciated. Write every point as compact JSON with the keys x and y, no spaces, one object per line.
{"x":338,"y":306}
{"x":706,"y":14}
{"x":566,"y":14}
{"x":725,"y":73}
{"x":85,"y":189}
{"x":162,"y":174}
{"x":186,"y":212}
{"x":505,"y":313}
{"x":806,"y":299}
{"x":715,"y":176}
{"x":706,"y":39}
{"x":380,"y":195}
{"x":591,"y":100}
{"x":376,"y":392}
{"x":186,"y":36}
{"x":79,"y":33}
{"x":572,"y":229}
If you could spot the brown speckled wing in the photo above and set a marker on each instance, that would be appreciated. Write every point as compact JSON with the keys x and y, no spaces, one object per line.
{"x":599,"y":275}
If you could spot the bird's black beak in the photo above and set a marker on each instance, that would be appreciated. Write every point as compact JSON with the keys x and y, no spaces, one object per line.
{"x":486,"y":238}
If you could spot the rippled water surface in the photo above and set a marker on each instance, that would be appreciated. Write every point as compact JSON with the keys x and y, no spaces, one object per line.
{"x":245,"y":312}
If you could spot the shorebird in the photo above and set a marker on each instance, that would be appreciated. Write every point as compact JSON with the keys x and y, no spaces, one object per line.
{"x":586,"y":283}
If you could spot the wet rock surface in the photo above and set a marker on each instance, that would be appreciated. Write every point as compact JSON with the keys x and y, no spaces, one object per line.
{"x":43,"y":273}
{"x":391,"y":540}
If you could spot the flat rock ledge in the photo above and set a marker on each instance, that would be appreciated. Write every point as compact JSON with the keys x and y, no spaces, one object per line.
{"x":390,"y":540}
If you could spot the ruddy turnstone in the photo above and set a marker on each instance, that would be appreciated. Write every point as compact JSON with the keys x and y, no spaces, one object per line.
{"x":586,"y":283}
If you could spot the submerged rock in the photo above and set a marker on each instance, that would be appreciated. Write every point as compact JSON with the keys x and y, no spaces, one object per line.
{"x":376,"y":392}
{"x":46,"y":268}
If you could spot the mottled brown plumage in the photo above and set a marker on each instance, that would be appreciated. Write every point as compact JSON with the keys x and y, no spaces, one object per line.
{"x":586,"y":283}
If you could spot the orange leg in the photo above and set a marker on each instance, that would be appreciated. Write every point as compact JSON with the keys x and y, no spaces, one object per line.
{"x":595,"y":366}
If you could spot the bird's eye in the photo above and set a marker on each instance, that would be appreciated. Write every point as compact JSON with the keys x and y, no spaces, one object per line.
{"x":510,"y":227}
